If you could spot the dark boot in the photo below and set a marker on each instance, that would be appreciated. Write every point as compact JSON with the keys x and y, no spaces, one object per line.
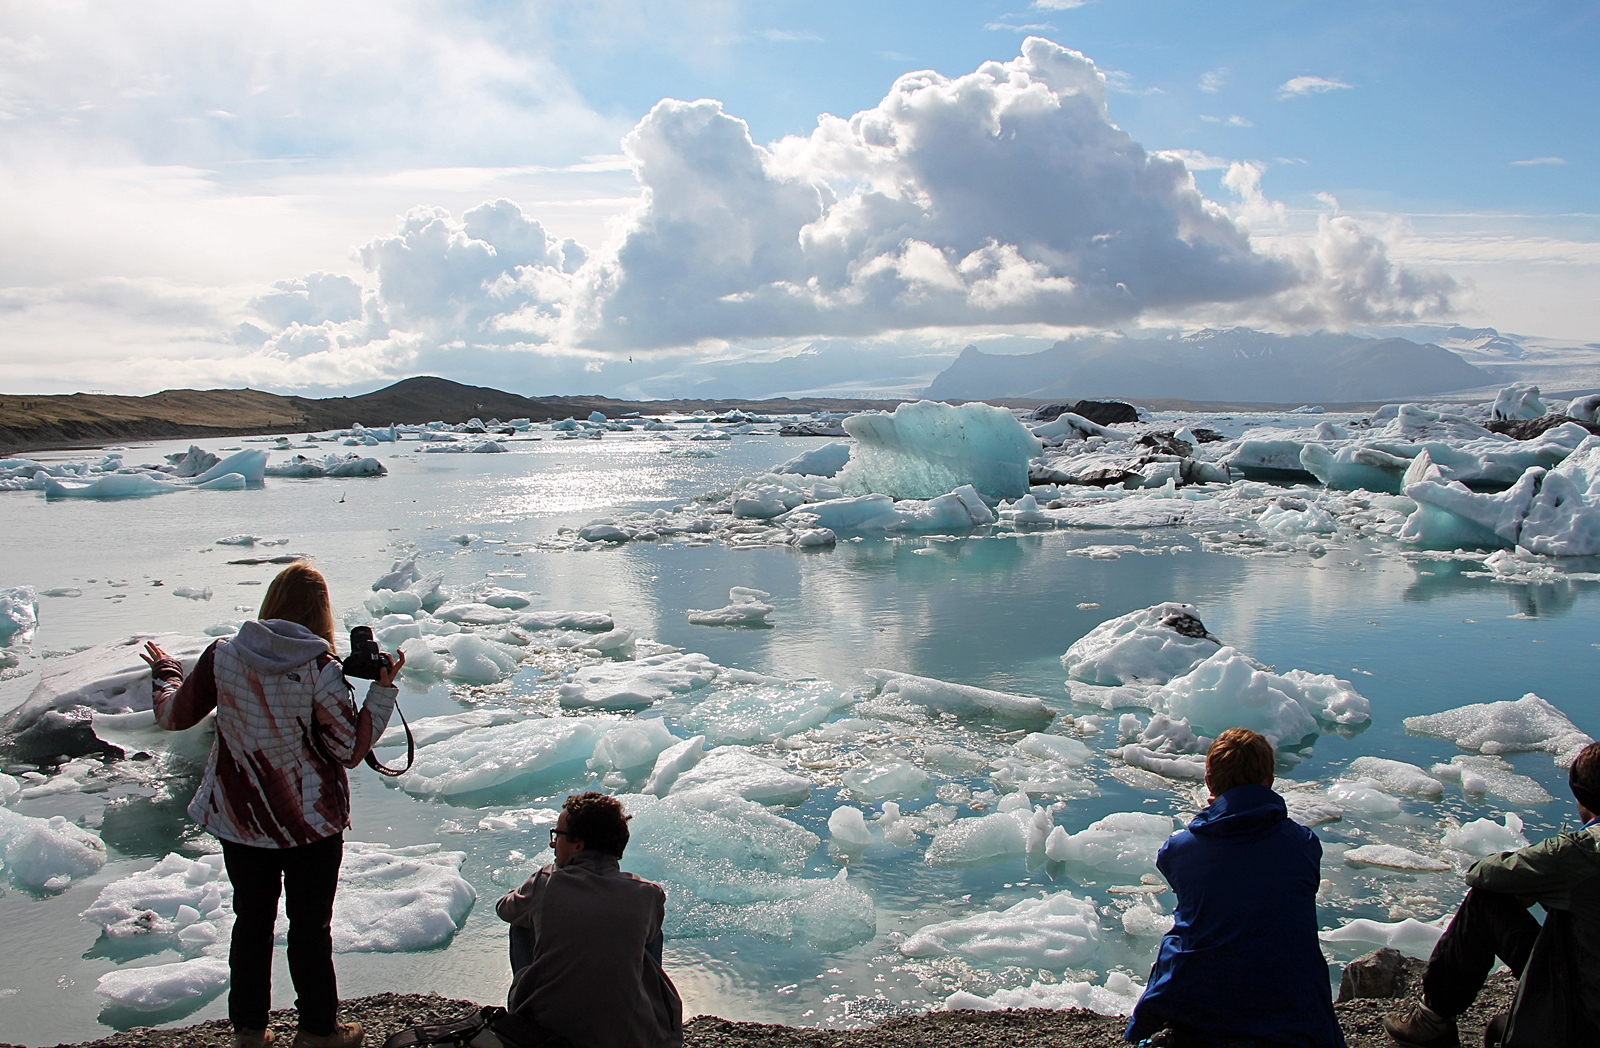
{"x":1421,"y":1027}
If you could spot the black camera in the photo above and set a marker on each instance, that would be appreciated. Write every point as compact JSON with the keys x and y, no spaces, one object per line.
{"x":366,"y":660}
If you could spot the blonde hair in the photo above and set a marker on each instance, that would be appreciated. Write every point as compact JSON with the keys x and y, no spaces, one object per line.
{"x":1239,"y":757}
{"x":300,"y":594}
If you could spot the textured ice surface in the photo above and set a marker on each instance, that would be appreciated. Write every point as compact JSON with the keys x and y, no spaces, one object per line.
{"x":1529,"y":723}
{"x":737,"y":771}
{"x":981,"y":840}
{"x":504,"y":753}
{"x":1144,"y":921}
{"x":1232,"y":690}
{"x":47,"y":854}
{"x":1518,"y":402}
{"x":1395,"y":776}
{"x":429,"y":730}
{"x":1141,"y":646}
{"x":637,"y":684}
{"x":588,"y":621}
{"x":1482,"y":837}
{"x":159,"y":903}
{"x":19,"y":615}
{"x":1393,"y":857}
{"x":848,"y":828}
{"x":1362,"y":797}
{"x":673,"y":762}
{"x":1191,"y":767}
{"x":398,"y":899}
{"x":137,"y":732}
{"x":731,"y":867}
{"x":1117,"y":997}
{"x":825,"y":461}
{"x":927,"y":448}
{"x":1411,"y":937}
{"x":109,"y":678}
{"x":765,"y":712}
{"x":961,"y":699}
{"x":160,"y":987}
{"x":1491,"y":774}
{"x":886,"y":780}
{"x":1054,"y":932}
{"x":959,"y":510}
{"x":1123,"y":842}
{"x":110,"y":486}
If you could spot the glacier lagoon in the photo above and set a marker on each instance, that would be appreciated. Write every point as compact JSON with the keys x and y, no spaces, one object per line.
{"x":992,"y":608}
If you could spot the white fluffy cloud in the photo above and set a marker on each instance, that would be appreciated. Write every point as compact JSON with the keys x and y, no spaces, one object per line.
{"x":1300,"y":86}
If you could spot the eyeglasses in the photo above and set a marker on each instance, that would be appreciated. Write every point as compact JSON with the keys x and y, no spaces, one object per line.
{"x":558,"y":833}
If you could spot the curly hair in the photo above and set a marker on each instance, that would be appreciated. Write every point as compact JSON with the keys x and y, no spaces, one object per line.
{"x":1239,"y":757}
{"x":598,"y":821}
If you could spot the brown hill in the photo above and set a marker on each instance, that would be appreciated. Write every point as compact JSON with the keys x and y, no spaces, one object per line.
{"x":88,"y":419}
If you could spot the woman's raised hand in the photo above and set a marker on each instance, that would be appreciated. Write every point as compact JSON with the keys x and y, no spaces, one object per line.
{"x":152,"y":654}
{"x":387,"y":675}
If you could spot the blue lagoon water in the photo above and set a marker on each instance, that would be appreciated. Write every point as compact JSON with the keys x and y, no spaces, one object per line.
{"x":995,"y":608}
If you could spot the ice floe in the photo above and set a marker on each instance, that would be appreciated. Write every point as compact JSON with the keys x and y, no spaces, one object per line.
{"x":924,"y":449}
{"x":825,"y":461}
{"x":48,"y":854}
{"x":637,"y":684}
{"x":1121,"y":843}
{"x":521,"y":750}
{"x":1482,"y":837}
{"x":963,"y":700}
{"x":745,"y":609}
{"x":1410,"y":936}
{"x":106,"y":678}
{"x":1151,"y":645}
{"x":1117,"y":996}
{"x":763,"y":711}
{"x":19,"y":615}
{"x":1395,"y":776}
{"x":736,"y":771}
{"x":1054,"y":932}
{"x":1394,"y":857}
{"x":1528,"y":724}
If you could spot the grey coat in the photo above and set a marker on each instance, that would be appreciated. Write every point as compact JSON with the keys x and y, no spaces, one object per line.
{"x":591,"y":980}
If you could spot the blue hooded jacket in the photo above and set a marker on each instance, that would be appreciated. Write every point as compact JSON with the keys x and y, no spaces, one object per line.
{"x":1242,"y":959}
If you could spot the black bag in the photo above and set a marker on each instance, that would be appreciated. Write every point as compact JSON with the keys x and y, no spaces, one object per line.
{"x":490,"y":1027}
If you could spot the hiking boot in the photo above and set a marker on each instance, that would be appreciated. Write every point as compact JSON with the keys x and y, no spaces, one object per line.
{"x":345,"y":1035}
{"x":1422,"y":1027}
{"x":252,"y":1038}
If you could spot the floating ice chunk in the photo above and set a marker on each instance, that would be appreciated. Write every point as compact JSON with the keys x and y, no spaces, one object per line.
{"x":399,"y":577}
{"x":825,"y":461}
{"x":1267,"y":459}
{"x":1054,"y":932}
{"x":391,"y":602}
{"x":1449,"y":515}
{"x":588,"y":621}
{"x":1026,"y":511}
{"x":812,"y":537}
{"x":981,"y":840}
{"x":737,"y":771}
{"x":746,"y":609}
{"x":1564,"y":518}
{"x":1482,"y":837}
{"x":479,"y":661}
{"x":520,"y":819}
{"x":637,"y":684}
{"x":1411,"y":937}
{"x":1117,"y":997}
{"x":10,"y":788}
{"x":1044,"y":765}
{"x":474,"y":614}
{"x":226,"y":482}
{"x":1491,"y":774}
{"x":1396,"y":776}
{"x":61,"y":591}
{"x":963,"y":700}
{"x":843,"y":514}
{"x":926,"y":448}
{"x":1367,"y":798}
{"x":108,"y":678}
{"x":957,"y":511}
{"x":751,"y":713}
{"x":1528,"y":724}
{"x":1518,"y":402}
{"x":19,"y":615}
{"x":631,"y":747}
{"x":137,"y":732}
{"x":1152,"y":645}
{"x":1355,"y":466}
{"x":673,"y":762}
{"x":496,"y":597}
{"x":163,"y":987}
{"x":1286,"y":515}
{"x":71,"y":777}
{"x":110,"y":486}
{"x":1188,"y":767}
{"x":248,"y":464}
{"x":1123,"y":842}
{"x":1310,"y":808}
{"x":886,"y":780}
{"x":504,"y":753}
{"x":1142,"y":922}
{"x":192,"y":592}
{"x":1393,"y":857}
{"x":1071,"y":426}
{"x":46,"y":854}
{"x":848,"y":828}
{"x":161,"y":901}
{"x":392,"y":900}
{"x":1232,"y":690}
{"x":238,"y":540}
{"x":429,"y":730}
{"x":1060,"y":748}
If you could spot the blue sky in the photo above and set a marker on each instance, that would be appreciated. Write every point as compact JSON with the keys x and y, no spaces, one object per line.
{"x":175,"y":177}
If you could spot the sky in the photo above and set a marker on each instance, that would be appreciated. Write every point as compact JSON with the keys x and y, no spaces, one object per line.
{"x":550,"y":197}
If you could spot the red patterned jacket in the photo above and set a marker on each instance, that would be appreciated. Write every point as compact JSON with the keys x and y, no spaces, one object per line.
{"x":287,"y":728}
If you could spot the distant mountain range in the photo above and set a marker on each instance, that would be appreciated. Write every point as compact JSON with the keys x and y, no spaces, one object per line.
{"x":1236,"y":365}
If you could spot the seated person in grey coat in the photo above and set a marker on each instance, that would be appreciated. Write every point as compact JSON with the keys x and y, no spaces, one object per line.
{"x":586,"y":939}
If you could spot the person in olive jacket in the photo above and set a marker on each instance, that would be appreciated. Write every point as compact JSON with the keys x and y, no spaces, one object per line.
{"x":1557,"y":965}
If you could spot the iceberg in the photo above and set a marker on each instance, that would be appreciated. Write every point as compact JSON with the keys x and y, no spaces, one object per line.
{"x":1152,"y":645}
{"x":745,"y":609}
{"x":107,"y":678}
{"x":886,"y":780}
{"x":1482,"y":837}
{"x":825,"y":461}
{"x":1121,"y":843}
{"x":1054,"y":932}
{"x":963,"y":700}
{"x":631,"y":748}
{"x":924,"y":449}
{"x":1232,"y":690}
{"x":1528,"y":724}
{"x":1396,"y":776}
{"x":673,"y":762}
{"x":960,"y":510}
{"x":847,"y":827}
{"x":111,"y":486}
{"x":527,"y":749}
{"x":981,"y":840}
{"x":1491,"y":774}
{"x":164,"y":987}
{"x":48,"y":854}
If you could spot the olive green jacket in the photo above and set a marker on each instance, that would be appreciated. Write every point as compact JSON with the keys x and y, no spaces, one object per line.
{"x":1562,"y":874}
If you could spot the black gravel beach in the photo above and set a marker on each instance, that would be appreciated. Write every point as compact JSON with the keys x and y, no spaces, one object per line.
{"x":384,"y":1014}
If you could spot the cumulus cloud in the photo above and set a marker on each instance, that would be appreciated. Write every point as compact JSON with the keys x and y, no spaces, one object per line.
{"x":1301,"y":86}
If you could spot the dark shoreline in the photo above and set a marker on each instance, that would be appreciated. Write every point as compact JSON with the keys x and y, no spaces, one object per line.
{"x":384,"y":1014}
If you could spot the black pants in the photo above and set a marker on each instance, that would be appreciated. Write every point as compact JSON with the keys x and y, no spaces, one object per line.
{"x":308,"y":876}
{"x":1488,"y":925}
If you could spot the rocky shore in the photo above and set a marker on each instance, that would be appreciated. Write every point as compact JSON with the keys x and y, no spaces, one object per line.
{"x":384,"y":1014}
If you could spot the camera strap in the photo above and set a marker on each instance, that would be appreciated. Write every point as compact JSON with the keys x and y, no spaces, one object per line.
{"x":411,"y":750}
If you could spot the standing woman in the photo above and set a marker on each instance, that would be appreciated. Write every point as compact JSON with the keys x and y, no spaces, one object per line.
{"x":275,"y":791}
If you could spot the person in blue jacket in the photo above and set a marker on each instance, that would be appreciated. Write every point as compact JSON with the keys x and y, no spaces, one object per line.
{"x":1242,"y":963}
